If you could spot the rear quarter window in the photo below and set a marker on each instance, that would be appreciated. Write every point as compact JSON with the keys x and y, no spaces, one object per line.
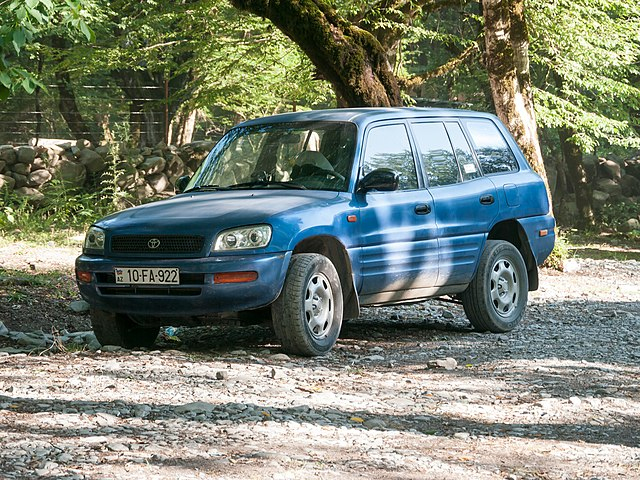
{"x":491,"y":148}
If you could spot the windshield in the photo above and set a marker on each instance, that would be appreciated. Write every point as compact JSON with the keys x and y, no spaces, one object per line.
{"x":313,"y":155}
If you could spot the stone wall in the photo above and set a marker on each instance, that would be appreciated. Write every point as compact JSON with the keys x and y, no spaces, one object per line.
{"x":613,"y":181}
{"x":144,"y":172}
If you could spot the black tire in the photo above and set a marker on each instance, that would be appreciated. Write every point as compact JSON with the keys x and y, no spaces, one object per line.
{"x":496,"y":299}
{"x":118,"y":329}
{"x":307,"y":316}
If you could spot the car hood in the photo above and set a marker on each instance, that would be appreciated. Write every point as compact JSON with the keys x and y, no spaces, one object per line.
{"x":191,"y":211}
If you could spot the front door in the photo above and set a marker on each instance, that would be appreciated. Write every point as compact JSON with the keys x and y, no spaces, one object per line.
{"x":399,"y":245}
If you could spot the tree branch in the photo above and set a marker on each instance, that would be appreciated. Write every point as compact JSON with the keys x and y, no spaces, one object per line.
{"x":444,"y":69}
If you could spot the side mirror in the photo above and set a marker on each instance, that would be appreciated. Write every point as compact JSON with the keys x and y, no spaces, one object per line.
{"x":182,"y":183}
{"x":381,"y":179}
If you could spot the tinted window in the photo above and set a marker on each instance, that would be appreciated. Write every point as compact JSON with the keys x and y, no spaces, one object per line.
{"x":437,"y":155}
{"x":494,"y":154}
{"x":388,"y":147}
{"x":468,"y":164}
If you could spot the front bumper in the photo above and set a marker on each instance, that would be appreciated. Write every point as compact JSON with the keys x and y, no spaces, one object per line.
{"x":197,"y":293}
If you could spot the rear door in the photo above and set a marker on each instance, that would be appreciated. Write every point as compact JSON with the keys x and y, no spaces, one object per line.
{"x":465,"y":202}
{"x":397,"y":229}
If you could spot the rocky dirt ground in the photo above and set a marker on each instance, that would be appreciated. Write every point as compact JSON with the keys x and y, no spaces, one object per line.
{"x":408,"y":392}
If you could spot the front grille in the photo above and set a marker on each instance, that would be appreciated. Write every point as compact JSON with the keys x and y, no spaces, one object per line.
{"x":157,"y":243}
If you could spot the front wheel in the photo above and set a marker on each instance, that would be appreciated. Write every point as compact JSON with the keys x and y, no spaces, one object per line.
{"x":307,"y":316}
{"x":496,"y":298}
{"x":118,"y":329}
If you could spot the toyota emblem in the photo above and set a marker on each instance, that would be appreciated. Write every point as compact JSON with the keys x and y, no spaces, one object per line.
{"x":153,"y":243}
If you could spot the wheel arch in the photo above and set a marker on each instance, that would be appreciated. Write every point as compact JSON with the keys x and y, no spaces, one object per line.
{"x":335,"y":251}
{"x":512,"y":232}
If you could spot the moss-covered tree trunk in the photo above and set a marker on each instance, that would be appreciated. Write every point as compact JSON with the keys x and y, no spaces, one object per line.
{"x":350,"y":58}
{"x":507,"y":62}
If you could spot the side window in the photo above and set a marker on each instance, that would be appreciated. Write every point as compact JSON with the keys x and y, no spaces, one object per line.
{"x":468,"y":165}
{"x":437,"y":155}
{"x":388,"y":147}
{"x":492,"y":150}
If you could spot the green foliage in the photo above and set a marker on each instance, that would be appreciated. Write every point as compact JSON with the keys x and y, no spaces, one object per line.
{"x":62,"y":210}
{"x":613,"y":216}
{"x":584,"y":56}
{"x":25,"y":22}
{"x":560,"y":254}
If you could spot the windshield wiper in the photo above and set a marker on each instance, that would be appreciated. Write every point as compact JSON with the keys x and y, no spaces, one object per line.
{"x":268,"y":183}
{"x":206,"y":187}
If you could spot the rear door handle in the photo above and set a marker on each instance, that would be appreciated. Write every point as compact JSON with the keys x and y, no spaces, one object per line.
{"x":422,"y":209}
{"x":487,"y":199}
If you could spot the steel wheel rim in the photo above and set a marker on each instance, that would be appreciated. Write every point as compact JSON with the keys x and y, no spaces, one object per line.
{"x":318,"y":306}
{"x":504,"y":287}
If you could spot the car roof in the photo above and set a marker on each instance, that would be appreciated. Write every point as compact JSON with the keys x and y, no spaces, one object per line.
{"x":365,"y":115}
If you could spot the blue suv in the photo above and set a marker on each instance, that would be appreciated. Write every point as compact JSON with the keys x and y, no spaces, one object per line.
{"x":312,"y":215}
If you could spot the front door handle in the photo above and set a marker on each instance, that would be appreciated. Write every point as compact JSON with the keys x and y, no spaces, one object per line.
{"x":487,"y":199}
{"x":422,"y":209}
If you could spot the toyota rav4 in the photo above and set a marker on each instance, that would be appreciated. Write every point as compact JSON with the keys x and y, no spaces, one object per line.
{"x":311,"y":215}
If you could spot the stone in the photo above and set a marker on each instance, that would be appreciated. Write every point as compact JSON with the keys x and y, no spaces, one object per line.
{"x":34,"y":196}
{"x":152,"y":165}
{"x":174,"y":168}
{"x":3,"y":165}
{"x":21,"y":168}
{"x":7,"y":182}
{"x":4,"y":331}
{"x":599,"y":199}
{"x":72,"y":173}
{"x":93,"y":161}
{"x":38,"y":164}
{"x":20,"y":180}
{"x":144,"y":190}
{"x":8,"y":154}
{"x":195,"y":407}
{"x":280,"y":357}
{"x":118,"y":447}
{"x":446,"y":363}
{"x":609,"y":186}
{"x":630,"y":225}
{"x":79,"y":306}
{"x":26,"y":154}
{"x":158,"y":181}
{"x":630,"y":186}
{"x":127,"y":175}
{"x":222,"y":375}
{"x":38,"y":178}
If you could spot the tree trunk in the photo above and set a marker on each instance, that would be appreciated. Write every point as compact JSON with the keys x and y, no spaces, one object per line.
{"x":69,"y":108}
{"x":67,"y":98}
{"x":350,"y":58}
{"x":578,"y":175}
{"x":507,"y":62}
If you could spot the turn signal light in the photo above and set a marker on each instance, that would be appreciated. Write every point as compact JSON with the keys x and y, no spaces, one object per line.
{"x":544,"y":233}
{"x":84,"y":277}
{"x":235,"y":277}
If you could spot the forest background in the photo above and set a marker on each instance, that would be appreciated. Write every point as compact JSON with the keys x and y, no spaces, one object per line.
{"x":563,"y":75}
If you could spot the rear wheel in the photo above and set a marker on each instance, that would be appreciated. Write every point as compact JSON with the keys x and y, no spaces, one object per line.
{"x":118,"y":329}
{"x":307,"y":316}
{"x":496,"y":299}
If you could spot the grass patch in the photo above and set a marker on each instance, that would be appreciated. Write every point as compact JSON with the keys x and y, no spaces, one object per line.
{"x":603,"y":245}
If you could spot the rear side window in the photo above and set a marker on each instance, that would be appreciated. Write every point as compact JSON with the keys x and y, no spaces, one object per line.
{"x":468,"y":165}
{"x":437,"y":155}
{"x":492,"y":150}
{"x":388,"y":147}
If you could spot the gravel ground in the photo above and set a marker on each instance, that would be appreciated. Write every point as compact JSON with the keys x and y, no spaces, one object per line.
{"x":408,"y":392}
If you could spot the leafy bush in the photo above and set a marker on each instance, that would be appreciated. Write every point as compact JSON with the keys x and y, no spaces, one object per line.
{"x":560,"y":254}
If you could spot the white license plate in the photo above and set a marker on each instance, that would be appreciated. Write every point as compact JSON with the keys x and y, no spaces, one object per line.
{"x":147,"y":276}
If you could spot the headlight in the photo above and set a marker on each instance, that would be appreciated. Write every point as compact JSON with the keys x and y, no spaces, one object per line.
{"x":94,"y":241}
{"x":255,"y":236}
